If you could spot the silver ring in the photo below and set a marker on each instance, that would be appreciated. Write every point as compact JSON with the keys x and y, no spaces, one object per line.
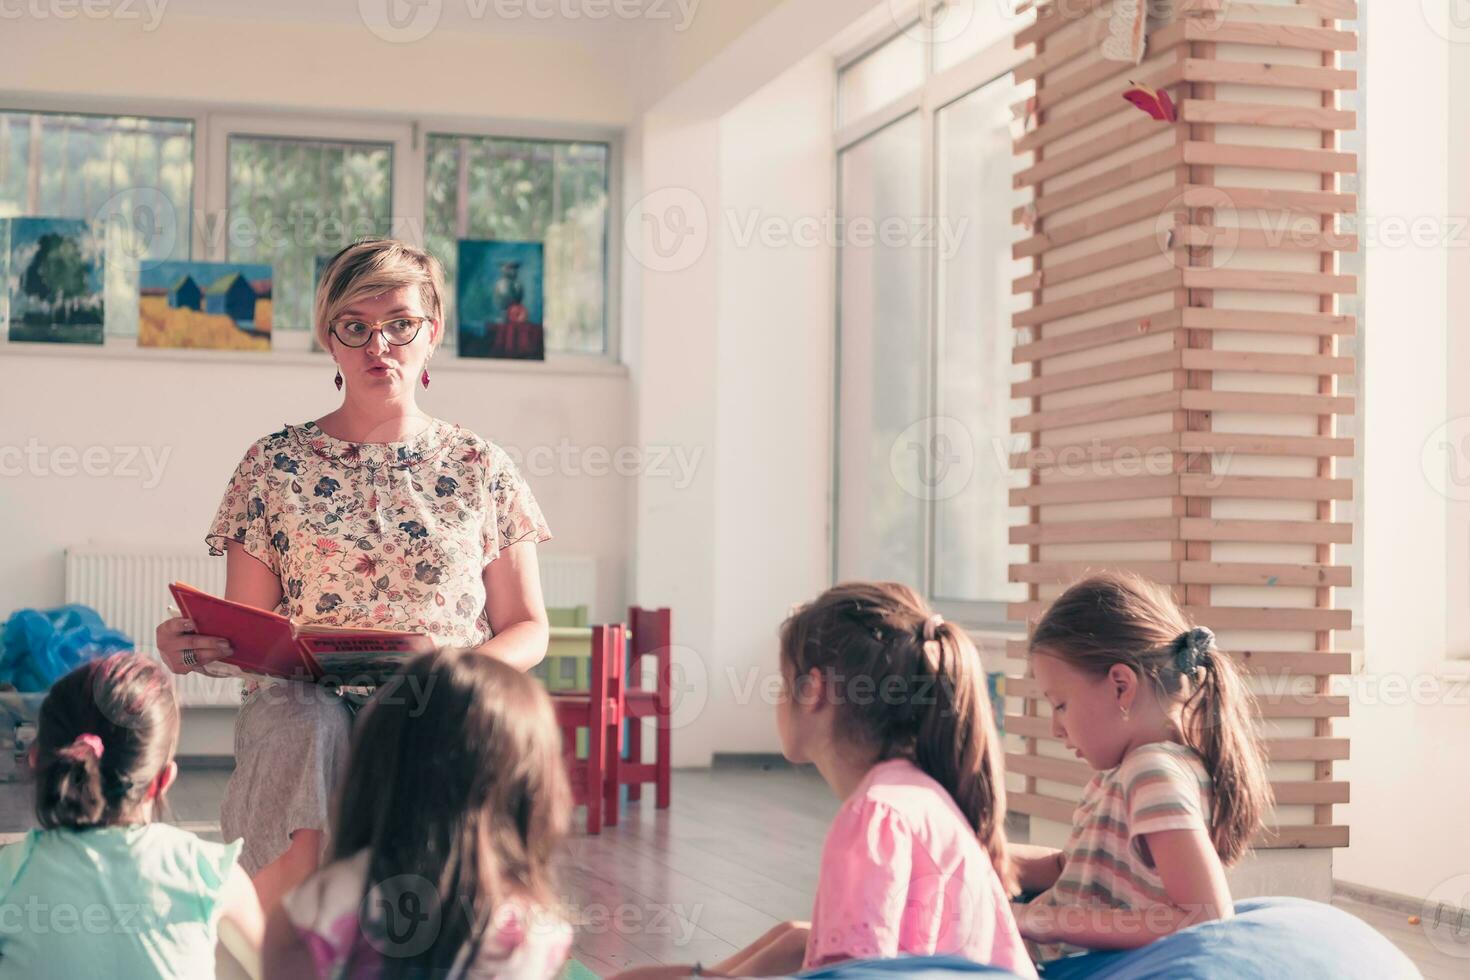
{"x":189,"y":659}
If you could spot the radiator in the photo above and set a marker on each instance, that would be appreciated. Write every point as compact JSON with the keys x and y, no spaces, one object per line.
{"x":129,"y":590}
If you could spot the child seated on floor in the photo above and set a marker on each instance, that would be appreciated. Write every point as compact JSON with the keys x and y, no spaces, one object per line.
{"x":1180,"y":786}
{"x":102,"y":890}
{"x":454,"y":806}
{"x":889,"y":701}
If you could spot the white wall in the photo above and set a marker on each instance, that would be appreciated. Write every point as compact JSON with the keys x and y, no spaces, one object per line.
{"x":1407,"y":767}
{"x":774,"y":395}
{"x":287,"y":64}
{"x":197,"y":416}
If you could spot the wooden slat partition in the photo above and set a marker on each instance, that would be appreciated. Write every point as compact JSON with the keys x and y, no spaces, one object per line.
{"x":1182,"y":340}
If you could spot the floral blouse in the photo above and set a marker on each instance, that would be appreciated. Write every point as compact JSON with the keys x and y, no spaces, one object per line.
{"x":387,"y":535}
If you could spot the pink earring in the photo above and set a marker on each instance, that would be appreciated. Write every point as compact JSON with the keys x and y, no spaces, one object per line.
{"x":338,"y":381}
{"x":425,"y":378}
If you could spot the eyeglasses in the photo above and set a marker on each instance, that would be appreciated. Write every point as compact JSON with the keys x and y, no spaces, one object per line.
{"x":398,"y":331}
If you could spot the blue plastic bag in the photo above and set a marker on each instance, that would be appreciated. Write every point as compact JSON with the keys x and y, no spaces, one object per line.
{"x":39,"y":646}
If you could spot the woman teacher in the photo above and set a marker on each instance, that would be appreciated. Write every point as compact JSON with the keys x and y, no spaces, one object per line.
{"x":375,"y":515}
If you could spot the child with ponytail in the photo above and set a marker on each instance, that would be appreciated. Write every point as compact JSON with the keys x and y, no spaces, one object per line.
{"x":889,"y":701}
{"x":1166,"y":721}
{"x":102,"y":890}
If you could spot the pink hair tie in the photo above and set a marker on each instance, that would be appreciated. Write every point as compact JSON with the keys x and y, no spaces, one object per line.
{"x":91,"y":741}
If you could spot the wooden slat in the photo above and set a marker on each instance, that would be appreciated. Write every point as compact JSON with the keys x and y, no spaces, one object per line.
{"x":1110,"y":258}
{"x":1281,"y":532}
{"x":1265,"y":363}
{"x":1266,"y":281}
{"x":1064,"y":572}
{"x":1264,"y":487}
{"x":1052,"y":17}
{"x":1107,"y":182}
{"x":1254,"y":445}
{"x":1140,"y":209}
{"x":1268,"y":76}
{"x":1264,"y":573}
{"x":1330,"y":9}
{"x":1263,"y":322}
{"x":1266,"y":403}
{"x":1093,"y":337}
{"x":1044,"y":767}
{"x":1228,"y":617}
{"x":1046,"y":807}
{"x":1261,"y":114}
{"x":1028,"y":726}
{"x":1305,"y":749}
{"x":1304,"y":706}
{"x":1104,"y":411}
{"x":1108,"y":106}
{"x":1096,"y":491}
{"x":1109,"y":143}
{"x":1289,"y":238}
{"x":1319,"y":835}
{"x":1269,"y":158}
{"x":1232,"y":31}
{"x":1299,"y":793}
{"x":1112,"y":294}
{"x":1133,"y":367}
{"x":1268,"y":663}
{"x":1132,"y":450}
{"x":1082,"y":532}
{"x":1269,"y":199}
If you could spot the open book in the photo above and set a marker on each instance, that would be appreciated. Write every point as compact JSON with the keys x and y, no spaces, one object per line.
{"x":266,"y":643}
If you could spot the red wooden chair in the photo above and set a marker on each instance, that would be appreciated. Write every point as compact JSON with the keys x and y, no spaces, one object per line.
{"x":599,"y":711}
{"x":651,"y":637}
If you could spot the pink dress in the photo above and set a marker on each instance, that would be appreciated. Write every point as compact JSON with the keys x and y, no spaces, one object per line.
{"x":904,"y":874}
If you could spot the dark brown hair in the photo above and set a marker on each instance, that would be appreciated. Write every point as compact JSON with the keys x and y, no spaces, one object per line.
{"x":456,"y":785}
{"x":906,"y":697}
{"x":126,"y":702}
{"x":1123,"y":619}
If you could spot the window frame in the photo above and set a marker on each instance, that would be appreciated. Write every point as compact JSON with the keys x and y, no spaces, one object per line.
{"x":939,"y":90}
{"x":213,"y":126}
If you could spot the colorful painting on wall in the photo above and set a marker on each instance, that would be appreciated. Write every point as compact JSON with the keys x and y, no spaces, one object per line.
{"x":499,"y":300}
{"x":213,"y":305}
{"x":54,"y":281}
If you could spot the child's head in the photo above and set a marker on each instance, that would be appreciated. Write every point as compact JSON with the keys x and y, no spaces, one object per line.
{"x":456,"y":782}
{"x":105,"y":744}
{"x":870,"y":667}
{"x":1121,"y":665}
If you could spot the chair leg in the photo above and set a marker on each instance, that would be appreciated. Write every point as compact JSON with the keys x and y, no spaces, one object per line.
{"x":663,"y":758}
{"x":635,"y":756}
{"x":612,"y":777}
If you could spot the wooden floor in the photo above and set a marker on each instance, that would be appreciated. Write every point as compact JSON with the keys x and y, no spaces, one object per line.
{"x":735,"y":854}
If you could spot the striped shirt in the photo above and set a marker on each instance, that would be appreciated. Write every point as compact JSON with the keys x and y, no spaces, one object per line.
{"x":1158,"y":786}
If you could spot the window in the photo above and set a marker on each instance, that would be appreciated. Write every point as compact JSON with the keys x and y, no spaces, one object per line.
{"x":295,"y":202}
{"x":924,"y":320}
{"x":548,"y":191}
{"x":131,"y":174}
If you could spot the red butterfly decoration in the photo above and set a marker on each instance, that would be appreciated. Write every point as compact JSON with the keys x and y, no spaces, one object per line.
{"x":1154,"y":102}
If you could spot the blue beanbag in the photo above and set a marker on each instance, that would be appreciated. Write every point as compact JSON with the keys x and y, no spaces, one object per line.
{"x":1268,"y":938}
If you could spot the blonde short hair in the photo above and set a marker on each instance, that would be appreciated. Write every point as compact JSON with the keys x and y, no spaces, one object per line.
{"x":371,"y":267}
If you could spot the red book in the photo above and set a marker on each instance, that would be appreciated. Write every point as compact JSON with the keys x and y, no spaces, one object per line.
{"x":270,"y":644}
